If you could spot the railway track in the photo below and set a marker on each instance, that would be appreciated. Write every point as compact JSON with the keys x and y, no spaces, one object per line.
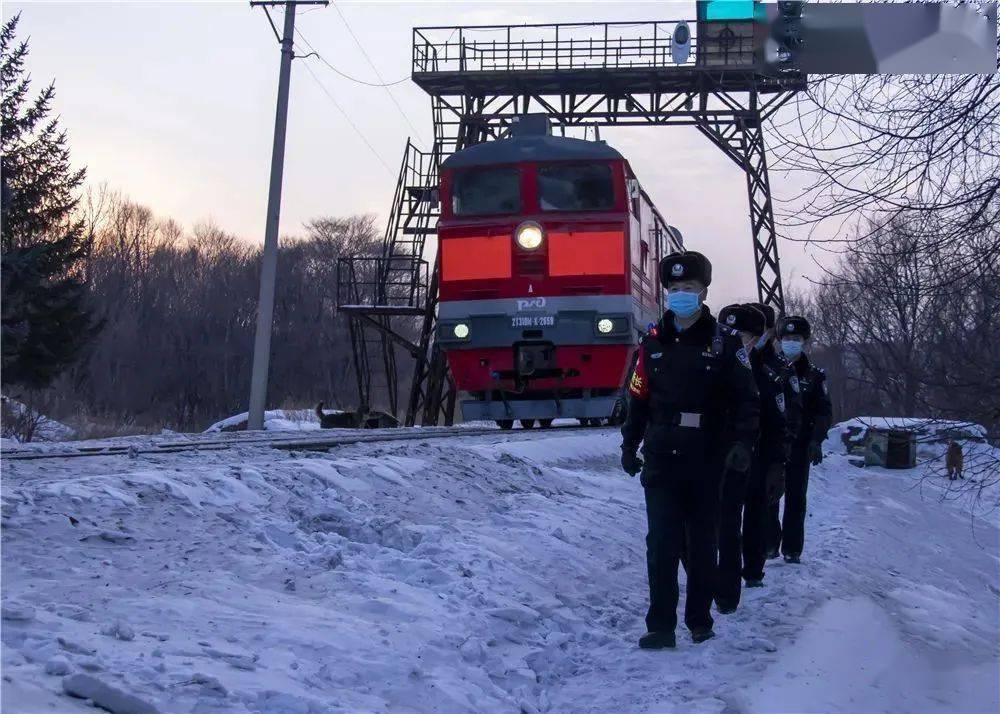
{"x":285,"y":443}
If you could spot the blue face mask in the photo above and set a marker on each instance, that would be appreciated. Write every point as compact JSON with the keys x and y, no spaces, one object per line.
{"x":791,"y":348}
{"x":683,"y":303}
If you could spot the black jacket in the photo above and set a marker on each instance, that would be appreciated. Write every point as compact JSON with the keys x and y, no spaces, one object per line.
{"x":817,"y":411}
{"x":698,"y":371}
{"x":777,"y":361}
{"x":772,"y":442}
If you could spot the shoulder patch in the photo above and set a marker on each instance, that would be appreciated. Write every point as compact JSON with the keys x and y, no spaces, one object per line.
{"x":794,"y":381}
{"x":780,"y":401}
{"x":741,"y":355}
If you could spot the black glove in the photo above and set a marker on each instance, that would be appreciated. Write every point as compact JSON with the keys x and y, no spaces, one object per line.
{"x":775,"y":482}
{"x":815,"y":454}
{"x":738,"y":458}
{"x":631,"y":463}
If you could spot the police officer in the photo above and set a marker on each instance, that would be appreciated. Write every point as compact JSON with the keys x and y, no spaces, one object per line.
{"x":745,"y":495}
{"x":792,"y":333}
{"x":694,"y":407}
{"x":774,"y":358}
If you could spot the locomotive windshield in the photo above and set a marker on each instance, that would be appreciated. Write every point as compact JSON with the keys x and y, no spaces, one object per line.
{"x":576,"y":187}
{"x":483,"y":192}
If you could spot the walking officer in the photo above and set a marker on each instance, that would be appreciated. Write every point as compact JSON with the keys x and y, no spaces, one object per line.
{"x":793,"y":332}
{"x":775,"y":359}
{"x":694,"y":408}
{"x":745,"y":494}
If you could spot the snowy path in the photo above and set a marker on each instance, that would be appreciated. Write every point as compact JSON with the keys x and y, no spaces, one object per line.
{"x":488,"y":573}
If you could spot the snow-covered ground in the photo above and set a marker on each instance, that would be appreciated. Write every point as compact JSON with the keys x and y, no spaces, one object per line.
{"x":499,"y":573}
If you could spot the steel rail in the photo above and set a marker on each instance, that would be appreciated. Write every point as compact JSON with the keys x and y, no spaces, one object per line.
{"x":312,"y":443}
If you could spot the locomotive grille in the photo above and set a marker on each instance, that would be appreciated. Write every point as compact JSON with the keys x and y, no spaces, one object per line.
{"x":531,"y":266}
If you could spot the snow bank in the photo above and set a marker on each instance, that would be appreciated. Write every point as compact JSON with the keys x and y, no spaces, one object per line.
{"x":274,"y":420}
{"x":46,"y":429}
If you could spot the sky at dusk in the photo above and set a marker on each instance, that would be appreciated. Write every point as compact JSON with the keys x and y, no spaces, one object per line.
{"x":172,"y":103}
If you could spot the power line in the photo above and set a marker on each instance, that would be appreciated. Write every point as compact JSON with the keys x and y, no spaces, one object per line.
{"x":344,"y":74}
{"x":378,"y":74}
{"x":347,"y":118}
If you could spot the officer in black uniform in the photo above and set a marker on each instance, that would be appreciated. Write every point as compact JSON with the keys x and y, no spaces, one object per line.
{"x":694,"y":407}
{"x":775,"y":359}
{"x":792,"y":332}
{"x":745,"y":495}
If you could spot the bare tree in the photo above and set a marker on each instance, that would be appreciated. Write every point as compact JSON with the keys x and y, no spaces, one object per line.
{"x":873,"y":149}
{"x":180,"y":309}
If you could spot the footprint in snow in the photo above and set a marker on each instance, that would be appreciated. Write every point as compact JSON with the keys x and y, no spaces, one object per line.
{"x":17,"y":612}
{"x":119,"y":630}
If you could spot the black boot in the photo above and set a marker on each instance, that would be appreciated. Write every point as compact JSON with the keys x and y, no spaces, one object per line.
{"x":725,"y":607}
{"x":701,"y":634}
{"x":772,"y":553}
{"x":658,"y":641}
{"x":792,"y":558}
{"x":755,"y":583}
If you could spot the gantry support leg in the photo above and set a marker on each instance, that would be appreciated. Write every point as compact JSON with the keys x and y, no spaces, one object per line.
{"x":765,"y":239}
{"x":742,"y":140}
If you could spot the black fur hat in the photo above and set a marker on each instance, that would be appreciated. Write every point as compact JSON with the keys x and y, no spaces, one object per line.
{"x":768,"y":311}
{"x":689,"y":265}
{"x":791,"y":325}
{"x":745,"y":318}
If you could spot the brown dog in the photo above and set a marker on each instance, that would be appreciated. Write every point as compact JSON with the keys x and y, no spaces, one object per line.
{"x":342,"y":420}
{"x":953,"y":461}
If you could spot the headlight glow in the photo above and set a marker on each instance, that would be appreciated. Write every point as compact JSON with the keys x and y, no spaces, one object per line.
{"x":604,"y":325}
{"x":529,"y":235}
{"x":461,"y":330}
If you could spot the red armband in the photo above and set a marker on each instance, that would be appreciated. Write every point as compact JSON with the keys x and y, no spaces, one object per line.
{"x":638,"y":385}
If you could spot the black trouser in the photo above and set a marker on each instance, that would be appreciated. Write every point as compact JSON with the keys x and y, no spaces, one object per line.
{"x":755,"y":522}
{"x":774,"y":524}
{"x":681,"y":510}
{"x":734,"y":488}
{"x":793,"y":525}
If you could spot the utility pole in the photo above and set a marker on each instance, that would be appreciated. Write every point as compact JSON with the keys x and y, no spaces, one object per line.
{"x":269,"y":263}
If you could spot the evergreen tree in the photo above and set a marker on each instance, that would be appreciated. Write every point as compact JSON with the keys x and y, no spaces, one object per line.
{"x":45,"y":322}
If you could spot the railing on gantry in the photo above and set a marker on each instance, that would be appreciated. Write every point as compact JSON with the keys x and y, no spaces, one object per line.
{"x":569,"y":46}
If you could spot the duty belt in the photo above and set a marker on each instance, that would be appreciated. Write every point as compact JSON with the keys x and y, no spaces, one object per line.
{"x":690,"y":420}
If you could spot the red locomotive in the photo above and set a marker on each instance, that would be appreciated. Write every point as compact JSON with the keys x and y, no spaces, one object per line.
{"x":549,"y":254}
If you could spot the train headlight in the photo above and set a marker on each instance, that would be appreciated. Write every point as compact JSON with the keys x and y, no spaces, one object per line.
{"x":461,"y":330}
{"x":604,"y":325}
{"x":529,"y":235}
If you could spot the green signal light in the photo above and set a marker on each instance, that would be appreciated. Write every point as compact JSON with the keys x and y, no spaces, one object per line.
{"x":726,"y":10}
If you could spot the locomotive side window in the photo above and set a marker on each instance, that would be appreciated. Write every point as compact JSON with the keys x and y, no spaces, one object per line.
{"x":576,"y":187}
{"x":485,"y":192}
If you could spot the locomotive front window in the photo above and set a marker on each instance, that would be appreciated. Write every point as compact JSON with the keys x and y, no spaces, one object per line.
{"x":485,"y":192}
{"x":579,"y":187}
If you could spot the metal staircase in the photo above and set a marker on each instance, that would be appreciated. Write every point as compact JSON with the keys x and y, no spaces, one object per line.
{"x":383,"y":295}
